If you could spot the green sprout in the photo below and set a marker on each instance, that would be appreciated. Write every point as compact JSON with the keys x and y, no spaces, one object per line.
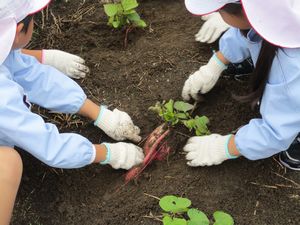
{"x":177,"y":211}
{"x":124,"y":13}
{"x":174,"y":112}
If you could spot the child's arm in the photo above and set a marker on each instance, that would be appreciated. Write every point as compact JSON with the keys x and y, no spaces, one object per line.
{"x":50,"y":89}
{"x":69,"y":64}
{"x":35,"y":53}
{"x":24,"y":129}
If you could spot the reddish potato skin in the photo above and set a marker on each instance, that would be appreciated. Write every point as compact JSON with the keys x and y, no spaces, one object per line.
{"x":151,"y":151}
{"x":132,"y":173}
{"x":153,"y":137}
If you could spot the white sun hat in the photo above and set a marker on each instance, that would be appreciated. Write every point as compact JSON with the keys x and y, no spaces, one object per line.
{"x":277,"y":21}
{"x":12,"y":12}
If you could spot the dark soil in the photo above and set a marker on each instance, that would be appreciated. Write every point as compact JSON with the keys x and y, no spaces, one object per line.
{"x":152,"y":68}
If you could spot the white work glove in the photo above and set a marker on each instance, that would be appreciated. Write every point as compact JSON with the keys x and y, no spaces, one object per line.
{"x":212,"y":28}
{"x":203,"y":79}
{"x":123,"y":155}
{"x":117,"y":124}
{"x":207,"y":150}
{"x":69,"y":64}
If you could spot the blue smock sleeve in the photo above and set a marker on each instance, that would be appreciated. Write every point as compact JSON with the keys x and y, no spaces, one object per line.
{"x":280,"y":110}
{"x":234,"y":46}
{"x":22,"y":128}
{"x":46,"y":86}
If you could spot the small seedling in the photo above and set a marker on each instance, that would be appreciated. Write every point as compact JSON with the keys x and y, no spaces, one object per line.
{"x":177,"y":211}
{"x":178,"y":112}
{"x":124,"y":14}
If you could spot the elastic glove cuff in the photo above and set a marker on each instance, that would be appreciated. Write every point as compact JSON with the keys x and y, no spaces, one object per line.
{"x":108,"y":154}
{"x":48,"y":57}
{"x":221,"y":64}
{"x":216,"y":66}
{"x":105,"y":120}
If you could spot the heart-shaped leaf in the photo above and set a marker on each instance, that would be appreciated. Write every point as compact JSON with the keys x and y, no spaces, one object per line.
{"x":197,"y":217}
{"x":110,"y":9}
{"x":222,"y":218}
{"x":171,"y":203}
{"x":167,"y":220}
{"x":129,"y":4}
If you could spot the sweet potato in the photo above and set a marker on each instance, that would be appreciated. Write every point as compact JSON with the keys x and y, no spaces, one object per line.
{"x":152,"y":150}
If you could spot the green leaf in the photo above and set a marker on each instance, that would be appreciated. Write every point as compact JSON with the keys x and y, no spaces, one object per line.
{"x":134,"y":17}
{"x":203,"y":119}
{"x":140,"y":23}
{"x":111,"y":20}
{"x":116,"y":24}
{"x":181,"y":116}
{"x":178,"y":221}
{"x":174,"y":121}
{"x":110,"y":9}
{"x":167,"y":220}
{"x":129,"y":12}
{"x":168,"y":116}
{"x":129,"y":4}
{"x":190,"y":124}
{"x":222,"y":218}
{"x":183,"y":106}
{"x":171,"y":203}
{"x":201,"y":125}
{"x":120,"y":8}
{"x":197,"y":217}
{"x":169,"y":105}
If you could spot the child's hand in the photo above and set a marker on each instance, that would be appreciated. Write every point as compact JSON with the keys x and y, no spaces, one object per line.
{"x":207,"y":150}
{"x":203,"y":80}
{"x":123,"y":155}
{"x":69,"y":64}
{"x":118,"y":125}
{"x":212,"y":28}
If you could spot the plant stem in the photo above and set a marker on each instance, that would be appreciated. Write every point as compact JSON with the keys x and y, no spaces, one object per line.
{"x":152,"y":196}
{"x":127,"y":31}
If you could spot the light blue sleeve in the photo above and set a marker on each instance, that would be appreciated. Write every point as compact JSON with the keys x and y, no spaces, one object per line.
{"x":280,"y":110}
{"x":27,"y":130}
{"x":234,"y":46}
{"x":46,"y":86}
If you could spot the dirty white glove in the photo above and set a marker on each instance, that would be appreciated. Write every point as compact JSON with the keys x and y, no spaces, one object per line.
{"x":203,"y":79}
{"x":207,"y":150}
{"x":212,"y":28}
{"x":117,"y":124}
{"x":123,"y":155}
{"x":69,"y":64}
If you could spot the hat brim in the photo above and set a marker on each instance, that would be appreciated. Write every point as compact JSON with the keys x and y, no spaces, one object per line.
{"x":38,"y":5}
{"x":8,"y":28}
{"x":274,"y":29}
{"x":203,"y":7}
